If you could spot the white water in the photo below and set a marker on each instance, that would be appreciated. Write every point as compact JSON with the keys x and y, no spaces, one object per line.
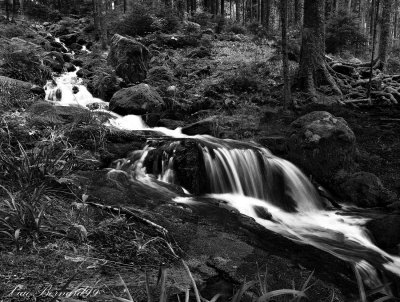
{"x":247,"y":179}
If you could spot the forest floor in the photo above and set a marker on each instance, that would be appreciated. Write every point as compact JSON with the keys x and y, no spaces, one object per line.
{"x":242,"y":79}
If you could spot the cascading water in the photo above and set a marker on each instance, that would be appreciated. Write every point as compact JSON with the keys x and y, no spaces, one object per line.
{"x":249,"y":178}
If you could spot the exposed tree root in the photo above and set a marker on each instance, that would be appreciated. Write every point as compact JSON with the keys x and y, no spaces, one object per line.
{"x":354,"y":80}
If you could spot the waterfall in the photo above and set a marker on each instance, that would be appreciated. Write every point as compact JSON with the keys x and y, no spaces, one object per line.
{"x":256,"y":173}
{"x":249,"y":178}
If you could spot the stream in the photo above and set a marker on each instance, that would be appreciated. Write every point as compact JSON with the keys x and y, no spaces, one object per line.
{"x":258,"y":184}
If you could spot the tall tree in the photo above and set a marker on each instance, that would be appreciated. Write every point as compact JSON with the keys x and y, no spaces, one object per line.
{"x":285,"y":58}
{"x":298,"y":12}
{"x":384,"y":41}
{"x":313,"y":70}
{"x":14,"y":9}
{"x":21,"y":6}
{"x":7,"y":4}
{"x":237,"y":10}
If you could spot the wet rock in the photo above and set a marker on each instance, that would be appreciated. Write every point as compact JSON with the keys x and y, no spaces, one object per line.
{"x":84,"y":73}
{"x":170,"y":124}
{"x":385,"y":231}
{"x":69,"y":39}
{"x":106,"y":86}
{"x":206,"y":126}
{"x":188,"y":163}
{"x":67,"y":57}
{"x":56,"y":44}
{"x":129,"y":58}
{"x":77,"y":62}
{"x":75,"y":47}
{"x":82,"y":41}
{"x":69,"y":67}
{"x":322,"y":145}
{"x":55,"y":56}
{"x":139,"y":99}
{"x":365,"y":190}
{"x":38,"y":90}
{"x":54,"y":65}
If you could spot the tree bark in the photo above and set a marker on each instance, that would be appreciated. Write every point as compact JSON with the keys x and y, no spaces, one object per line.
{"x":313,"y":70}
{"x":285,"y":59}
{"x":237,"y":10}
{"x":384,"y":41}
{"x":298,"y":12}
{"x":14,"y":9}
{"x":223,"y":8}
{"x":21,"y":5}
{"x":349,"y":2}
{"x":268,"y":14}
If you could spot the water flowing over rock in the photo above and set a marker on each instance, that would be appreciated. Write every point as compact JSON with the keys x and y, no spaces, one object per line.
{"x":139,"y":99}
{"x":322,"y":145}
{"x":211,"y":166}
{"x":129,"y":58}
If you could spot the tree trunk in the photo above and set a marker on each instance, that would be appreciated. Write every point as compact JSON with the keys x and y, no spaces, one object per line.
{"x":14,"y":9}
{"x":285,"y":59}
{"x":362,"y":16}
{"x":396,"y":18}
{"x":384,"y":41}
{"x":21,"y":5}
{"x":337,"y":6}
{"x":298,"y":12}
{"x":237,"y":10}
{"x":7,"y":10}
{"x":96,"y":20}
{"x":268,"y":14}
{"x":223,"y":8}
{"x":313,"y":70}
{"x":244,"y":11}
{"x":349,"y":2}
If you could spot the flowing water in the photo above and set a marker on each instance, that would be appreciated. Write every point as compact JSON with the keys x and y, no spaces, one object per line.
{"x":258,"y":184}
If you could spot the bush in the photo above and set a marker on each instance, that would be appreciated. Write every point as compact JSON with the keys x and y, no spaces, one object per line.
{"x":41,"y":12}
{"x":257,"y":30}
{"x":169,"y":20}
{"x":23,"y":64}
{"x":244,"y":81}
{"x":142,"y":20}
{"x":137,"y":22}
{"x":202,"y":18}
{"x":343,"y":33}
{"x":236,"y":28}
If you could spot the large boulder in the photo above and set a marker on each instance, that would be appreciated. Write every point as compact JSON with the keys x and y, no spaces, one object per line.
{"x":365,"y":190}
{"x":205,"y":126}
{"x":54,"y":60}
{"x":69,"y":39}
{"x":139,"y":99}
{"x":322,"y":145}
{"x":385,"y":231}
{"x":129,"y":58}
{"x":188,"y":165}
